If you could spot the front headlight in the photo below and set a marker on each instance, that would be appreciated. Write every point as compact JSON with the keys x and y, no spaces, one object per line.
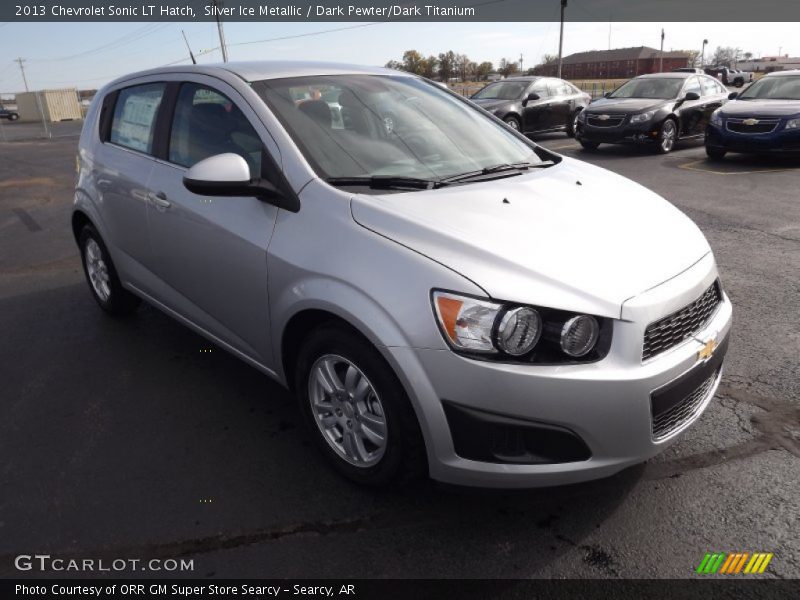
{"x":643,"y":117}
{"x":523,"y":333}
{"x":582,"y":116}
{"x":716,"y":117}
{"x":793,"y":123}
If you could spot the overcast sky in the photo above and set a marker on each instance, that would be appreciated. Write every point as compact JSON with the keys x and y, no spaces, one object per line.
{"x":87,"y":55}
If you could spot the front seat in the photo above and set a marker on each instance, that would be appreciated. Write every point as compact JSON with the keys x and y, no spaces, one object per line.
{"x":318,"y":111}
{"x":210,"y":128}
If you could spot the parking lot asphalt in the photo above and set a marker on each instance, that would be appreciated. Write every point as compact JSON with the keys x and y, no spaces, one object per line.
{"x":125,"y":439}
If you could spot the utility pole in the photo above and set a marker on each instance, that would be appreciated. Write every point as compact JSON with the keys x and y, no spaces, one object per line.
{"x":221,"y":33}
{"x":520,"y":62}
{"x":661,"y":57}
{"x":561,"y":39}
{"x":703,"y":55}
{"x":22,"y":68}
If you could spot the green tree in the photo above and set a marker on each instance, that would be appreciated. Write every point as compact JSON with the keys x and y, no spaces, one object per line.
{"x":413,"y":62}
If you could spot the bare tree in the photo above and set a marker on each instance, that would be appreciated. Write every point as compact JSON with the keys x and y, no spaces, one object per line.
{"x":413,"y":62}
{"x":508,"y":67}
{"x":482,"y":70}
{"x":447,"y":65}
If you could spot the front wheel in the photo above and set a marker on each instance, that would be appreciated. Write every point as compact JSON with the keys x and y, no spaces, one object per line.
{"x":590,"y":146}
{"x":715,"y":153}
{"x":667,"y":136}
{"x":13,"y":117}
{"x":513,"y":122}
{"x":357,"y":410}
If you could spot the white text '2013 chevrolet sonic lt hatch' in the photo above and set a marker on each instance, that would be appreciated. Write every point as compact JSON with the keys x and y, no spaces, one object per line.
{"x":442,"y":295}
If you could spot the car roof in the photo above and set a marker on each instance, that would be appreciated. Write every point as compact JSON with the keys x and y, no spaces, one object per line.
{"x":526,"y":78}
{"x":270,"y":69}
{"x":783,"y":73}
{"x":670,"y":75}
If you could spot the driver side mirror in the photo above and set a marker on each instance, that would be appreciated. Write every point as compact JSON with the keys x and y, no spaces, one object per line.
{"x":607,"y":95}
{"x":228,"y":175}
{"x":733,"y":95}
{"x":692,"y":96}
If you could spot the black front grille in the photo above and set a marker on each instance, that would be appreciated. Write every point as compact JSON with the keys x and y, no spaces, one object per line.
{"x":673,"y":329}
{"x":669,"y":421}
{"x":611,"y":121}
{"x":762,"y":126}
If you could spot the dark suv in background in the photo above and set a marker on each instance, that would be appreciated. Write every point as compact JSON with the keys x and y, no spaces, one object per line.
{"x":534,"y":104}
{"x":9,"y":115}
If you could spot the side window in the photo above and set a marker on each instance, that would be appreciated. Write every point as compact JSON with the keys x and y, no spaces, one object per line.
{"x":555,"y":88}
{"x":540,"y":87}
{"x":721,"y":89}
{"x":135,"y":115}
{"x":710,"y":87}
{"x":206,"y":123}
{"x":693,"y":85}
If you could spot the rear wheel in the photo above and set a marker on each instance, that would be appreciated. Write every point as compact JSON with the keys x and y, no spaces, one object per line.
{"x":667,"y":136}
{"x":13,"y":117}
{"x":357,"y":410}
{"x":102,"y":276}
{"x":572,"y":126}
{"x":513,"y":122}
{"x":715,"y":153}
{"x":590,"y":146}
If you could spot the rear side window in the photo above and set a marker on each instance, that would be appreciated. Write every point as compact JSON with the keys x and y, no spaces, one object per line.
{"x":693,"y":85}
{"x":135,"y":115}
{"x":206,"y":123}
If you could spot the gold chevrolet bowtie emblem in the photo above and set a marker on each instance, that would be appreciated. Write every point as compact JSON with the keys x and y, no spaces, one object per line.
{"x":707,"y":351}
{"x":604,"y":117}
{"x":750,"y":121}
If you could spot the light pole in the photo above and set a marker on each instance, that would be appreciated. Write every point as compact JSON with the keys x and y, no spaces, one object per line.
{"x":703,"y":55}
{"x":561,"y":38}
{"x":661,"y":55}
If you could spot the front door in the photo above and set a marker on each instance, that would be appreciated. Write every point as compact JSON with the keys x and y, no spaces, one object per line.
{"x":210,"y":253}
{"x":536,"y":113}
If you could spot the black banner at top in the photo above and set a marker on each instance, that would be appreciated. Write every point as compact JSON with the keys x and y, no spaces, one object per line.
{"x":402,"y":10}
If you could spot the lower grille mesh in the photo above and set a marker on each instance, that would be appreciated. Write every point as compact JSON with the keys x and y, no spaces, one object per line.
{"x":673,"y":419}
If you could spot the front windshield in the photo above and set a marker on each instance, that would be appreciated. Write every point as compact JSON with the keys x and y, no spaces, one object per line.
{"x":786,"y":87}
{"x":502,"y":90}
{"x":351,"y":126}
{"x":649,"y":87}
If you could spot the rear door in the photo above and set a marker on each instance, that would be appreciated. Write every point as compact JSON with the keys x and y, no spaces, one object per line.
{"x":123,"y":165}
{"x":714,"y":95}
{"x":561,"y":103}
{"x":211,"y":252}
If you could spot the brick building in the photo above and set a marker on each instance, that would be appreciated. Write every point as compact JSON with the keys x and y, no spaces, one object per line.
{"x":619,"y":63}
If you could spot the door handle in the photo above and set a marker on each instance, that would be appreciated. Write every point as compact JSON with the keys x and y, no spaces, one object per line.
{"x":159,"y":200}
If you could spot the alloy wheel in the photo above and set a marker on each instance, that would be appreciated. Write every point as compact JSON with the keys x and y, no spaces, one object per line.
{"x":668,"y":134}
{"x":347,"y":410}
{"x":97,"y":270}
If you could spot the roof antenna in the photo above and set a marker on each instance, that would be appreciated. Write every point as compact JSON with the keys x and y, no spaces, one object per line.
{"x":194,"y":62}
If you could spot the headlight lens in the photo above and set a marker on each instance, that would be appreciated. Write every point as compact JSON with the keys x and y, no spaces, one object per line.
{"x":579,"y":335}
{"x":519,"y":330}
{"x":642,"y":117}
{"x":716,"y":118}
{"x":582,"y":116}
{"x":793,"y":124}
{"x":526,"y":333}
{"x":466,"y":322}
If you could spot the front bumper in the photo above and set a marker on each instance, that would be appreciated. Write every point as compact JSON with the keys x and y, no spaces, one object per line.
{"x":776,"y":142}
{"x":626,"y":133}
{"x":606,"y":404}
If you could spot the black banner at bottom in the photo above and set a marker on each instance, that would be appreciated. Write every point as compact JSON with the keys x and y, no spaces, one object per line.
{"x":416,"y":589}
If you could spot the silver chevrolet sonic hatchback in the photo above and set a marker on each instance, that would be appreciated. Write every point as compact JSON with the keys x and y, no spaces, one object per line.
{"x":441,"y":294}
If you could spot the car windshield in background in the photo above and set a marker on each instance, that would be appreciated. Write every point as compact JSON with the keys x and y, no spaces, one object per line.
{"x":375,"y":126}
{"x":774,"y":88}
{"x":503,"y":90}
{"x":663,"y":89}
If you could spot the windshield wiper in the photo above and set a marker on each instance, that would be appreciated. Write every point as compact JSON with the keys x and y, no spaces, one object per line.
{"x":502,"y":167}
{"x":386,"y":182}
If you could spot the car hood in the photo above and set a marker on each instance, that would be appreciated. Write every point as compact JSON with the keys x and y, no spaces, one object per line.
{"x":625,"y":105}
{"x":572,"y":236}
{"x":492,"y":104}
{"x":761,"y":108}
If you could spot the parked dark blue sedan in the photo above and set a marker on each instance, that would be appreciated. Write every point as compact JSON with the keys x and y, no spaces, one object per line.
{"x":765,"y":118}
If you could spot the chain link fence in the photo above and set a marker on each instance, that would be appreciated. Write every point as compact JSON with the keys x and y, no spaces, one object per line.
{"x":43,"y":114}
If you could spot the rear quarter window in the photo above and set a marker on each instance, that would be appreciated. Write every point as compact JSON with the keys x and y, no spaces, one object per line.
{"x":133,"y":123}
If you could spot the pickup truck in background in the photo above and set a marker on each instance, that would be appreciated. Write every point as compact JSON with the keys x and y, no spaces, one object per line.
{"x":728,"y":76}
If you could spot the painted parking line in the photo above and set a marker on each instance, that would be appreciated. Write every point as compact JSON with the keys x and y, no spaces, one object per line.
{"x":563,"y":146}
{"x":693,"y":166}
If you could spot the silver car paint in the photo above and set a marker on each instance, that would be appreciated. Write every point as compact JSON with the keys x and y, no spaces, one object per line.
{"x":239,"y":271}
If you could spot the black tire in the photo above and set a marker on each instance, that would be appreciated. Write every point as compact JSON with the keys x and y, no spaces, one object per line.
{"x":715,"y":153}
{"x":120,"y":302}
{"x":13,"y":117}
{"x":738,"y":83}
{"x":589,"y":146}
{"x":572,"y":125}
{"x":514,"y":123}
{"x":404,"y":458}
{"x":668,"y":128}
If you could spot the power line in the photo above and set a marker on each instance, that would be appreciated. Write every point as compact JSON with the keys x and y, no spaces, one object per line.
{"x":132,"y":36}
